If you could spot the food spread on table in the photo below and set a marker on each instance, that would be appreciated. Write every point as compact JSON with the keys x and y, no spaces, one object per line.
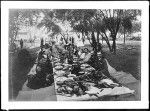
{"x":87,"y":82}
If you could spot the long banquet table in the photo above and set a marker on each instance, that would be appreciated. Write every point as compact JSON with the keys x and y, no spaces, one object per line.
{"x":102,"y":94}
{"x":50,"y":93}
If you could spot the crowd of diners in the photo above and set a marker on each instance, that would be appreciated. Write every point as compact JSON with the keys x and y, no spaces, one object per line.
{"x":66,"y":53}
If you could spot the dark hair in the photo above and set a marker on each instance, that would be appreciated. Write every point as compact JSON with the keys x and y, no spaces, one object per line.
{"x":99,"y":47}
{"x":47,"y":46}
{"x":103,"y":54}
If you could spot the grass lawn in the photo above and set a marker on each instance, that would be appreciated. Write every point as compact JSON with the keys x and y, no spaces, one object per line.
{"x":127,"y":58}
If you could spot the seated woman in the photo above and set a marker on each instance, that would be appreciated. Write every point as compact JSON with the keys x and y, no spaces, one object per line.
{"x":54,"y":50}
{"x":43,"y":76}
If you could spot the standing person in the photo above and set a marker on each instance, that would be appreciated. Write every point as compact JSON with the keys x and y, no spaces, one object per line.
{"x":21,"y":43}
{"x":70,"y":54}
{"x":42,"y":43}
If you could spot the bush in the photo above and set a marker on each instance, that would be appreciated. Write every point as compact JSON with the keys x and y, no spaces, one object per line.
{"x":12,"y":47}
{"x":138,"y":38}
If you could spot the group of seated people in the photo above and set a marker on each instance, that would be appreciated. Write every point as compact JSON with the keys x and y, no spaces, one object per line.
{"x":44,"y":68}
{"x":97,"y":60}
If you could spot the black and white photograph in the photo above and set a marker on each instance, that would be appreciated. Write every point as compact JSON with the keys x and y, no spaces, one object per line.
{"x":75,"y":54}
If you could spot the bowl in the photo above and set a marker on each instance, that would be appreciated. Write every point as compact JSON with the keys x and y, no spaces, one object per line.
{"x":81,"y":72}
{"x":85,"y":65}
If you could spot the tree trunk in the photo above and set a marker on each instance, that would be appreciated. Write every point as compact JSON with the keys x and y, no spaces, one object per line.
{"x":114,"y":45}
{"x":98,"y":37}
{"x":109,"y":46}
{"x":83,"y":37}
{"x":107,"y":41}
{"x":99,"y":46}
{"x":124,"y":36}
{"x":94,"y":44}
{"x":89,"y":40}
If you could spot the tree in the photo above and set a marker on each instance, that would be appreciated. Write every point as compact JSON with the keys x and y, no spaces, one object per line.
{"x":49,"y":23}
{"x":112,"y":19}
{"x":101,"y":29}
{"x":81,"y":21}
{"x":19,"y":18}
{"x":91,"y":21}
{"x":136,"y":27}
{"x":77,"y":19}
{"x":66,"y":31}
{"x":127,"y":26}
{"x":115,"y":18}
{"x":13,"y":25}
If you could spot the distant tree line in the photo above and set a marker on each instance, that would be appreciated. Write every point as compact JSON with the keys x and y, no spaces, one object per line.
{"x":92,"y":24}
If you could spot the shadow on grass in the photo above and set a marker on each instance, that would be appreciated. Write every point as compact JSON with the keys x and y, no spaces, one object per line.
{"x":126,"y":60}
{"x":20,"y":64}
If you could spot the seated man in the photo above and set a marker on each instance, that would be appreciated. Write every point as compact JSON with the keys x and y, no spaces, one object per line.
{"x":99,"y":63}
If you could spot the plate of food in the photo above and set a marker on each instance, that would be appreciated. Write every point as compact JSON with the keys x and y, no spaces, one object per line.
{"x":71,"y":75}
{"x":90,"y":69}
{"x":58,"y":64}
{"x":60,"y":73}
{"x":59,"y":67}
{"x":81,"y":72}
{"x":62,"y":79}
{"x":65,"y":64}
{"x":85,"y":65}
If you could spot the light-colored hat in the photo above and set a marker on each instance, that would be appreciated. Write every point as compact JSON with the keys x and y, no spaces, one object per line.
{"x":99,"y":53}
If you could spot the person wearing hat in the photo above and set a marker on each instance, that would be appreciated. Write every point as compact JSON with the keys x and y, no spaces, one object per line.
{"x":54,"y":50}
{"x":87,"y":55}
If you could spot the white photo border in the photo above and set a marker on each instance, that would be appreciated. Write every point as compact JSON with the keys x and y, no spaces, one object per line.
{"x":143,"y":5}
